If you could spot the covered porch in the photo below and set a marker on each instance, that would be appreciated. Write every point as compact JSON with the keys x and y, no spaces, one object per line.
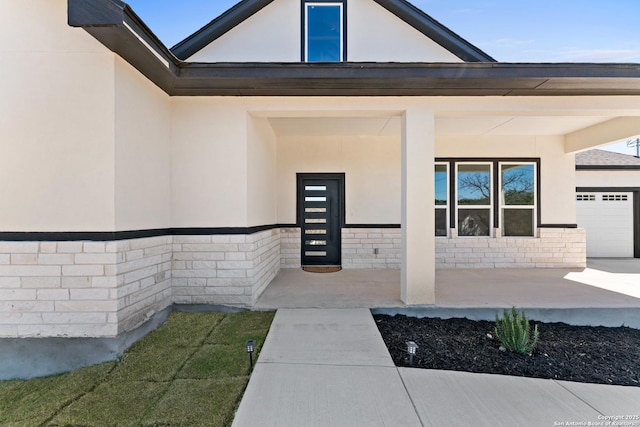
{"x":388,"y":152}
{"x":607,"y":291}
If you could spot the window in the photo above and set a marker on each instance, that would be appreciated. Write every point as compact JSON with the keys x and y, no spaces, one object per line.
{"x":473,"y":199}
{"x":614,"y":197}
{"x":477,"y":196}
{"x":441,"y":179}
{"x":323,"y":31}
{"x":517,"y":199}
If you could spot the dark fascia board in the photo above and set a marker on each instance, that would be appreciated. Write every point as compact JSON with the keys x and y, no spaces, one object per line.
{"x":407,"y":79}
{"x":115,"y":25}
{"x":95,"y":13}
{"x":605,"y":189}
{"x":216,"y":28}
{"x":608,"y":167}
{"x":433,"y":29}
{"x":401,"y":8}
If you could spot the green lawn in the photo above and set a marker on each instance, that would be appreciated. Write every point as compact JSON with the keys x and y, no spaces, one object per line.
{"x":190,"y":371}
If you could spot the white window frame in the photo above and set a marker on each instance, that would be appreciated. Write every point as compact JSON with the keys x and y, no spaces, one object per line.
{"x":457,"y":207}
{"x":444,"y":207}
{"x":306,"y":26}
{"x":504,"y":206}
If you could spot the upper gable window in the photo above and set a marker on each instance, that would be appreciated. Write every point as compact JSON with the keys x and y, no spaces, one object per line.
{"x":323,"y":31}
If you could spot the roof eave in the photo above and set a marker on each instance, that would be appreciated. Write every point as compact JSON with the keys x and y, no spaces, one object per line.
{"x":406,"y":79}
{"x":608,"y":167}
{"x":217,"y":27}
{"x":116,"y":26}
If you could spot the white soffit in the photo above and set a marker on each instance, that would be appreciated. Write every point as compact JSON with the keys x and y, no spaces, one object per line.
{"x":466,"y":126}
{"x":332,"y":126}
{"x":444,"y":126}
{"x":514,"y":125}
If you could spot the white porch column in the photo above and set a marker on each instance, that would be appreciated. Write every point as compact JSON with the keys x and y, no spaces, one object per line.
{"x":418,"y":215}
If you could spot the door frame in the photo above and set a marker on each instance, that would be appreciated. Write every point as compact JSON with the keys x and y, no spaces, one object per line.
{"x":340,"y":177}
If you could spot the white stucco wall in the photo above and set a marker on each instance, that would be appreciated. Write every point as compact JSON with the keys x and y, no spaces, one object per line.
{"x":56,"y":122}
{"x":273,"y":35}
{"x":209,"y":162}
{"x":372,"y":174}
{"x":262,"y":191}
{"x":142,"y":152}
{"x":557,"y":186}
{"x":375,"y":34}
{"x":608,"y":178}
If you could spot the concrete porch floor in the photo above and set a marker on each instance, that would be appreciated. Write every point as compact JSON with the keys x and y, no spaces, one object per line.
{"x":605,"y":283}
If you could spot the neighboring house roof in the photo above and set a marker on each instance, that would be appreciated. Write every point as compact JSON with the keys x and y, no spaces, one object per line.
{"x":401,"y":8}
{"x":115,"y":25}
{"x":601,"y":159}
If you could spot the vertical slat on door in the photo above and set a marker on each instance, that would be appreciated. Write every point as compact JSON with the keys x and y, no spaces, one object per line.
{"x":316,"y":206}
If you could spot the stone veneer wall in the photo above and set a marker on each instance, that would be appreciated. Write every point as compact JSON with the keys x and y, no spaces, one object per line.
{"x":58,"y":289}
{"x":82,"y":289}
{"x":359,"y":247}
{"x":553,"y":248}
{"x":290,"y":244}
{"x":143,"y":279}
{"x":103,"y":289}
{"x":224,"y":269}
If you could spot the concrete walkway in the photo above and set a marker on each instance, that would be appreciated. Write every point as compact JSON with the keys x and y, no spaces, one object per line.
{"x":330,"y":367}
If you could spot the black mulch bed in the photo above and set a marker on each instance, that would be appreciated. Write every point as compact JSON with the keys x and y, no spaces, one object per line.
{"x":573,"y":353}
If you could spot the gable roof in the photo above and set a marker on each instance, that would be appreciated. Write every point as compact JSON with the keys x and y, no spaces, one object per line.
{"x":116,"y":26}
{"x":401,"y":8}
{"x":602,"y":159}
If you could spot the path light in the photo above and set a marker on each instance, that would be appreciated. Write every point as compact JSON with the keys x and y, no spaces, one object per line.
{"x":411,"y":349}
{"x":251,"y":346}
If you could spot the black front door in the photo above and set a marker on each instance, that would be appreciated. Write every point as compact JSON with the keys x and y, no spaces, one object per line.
{"x":320,"y":215}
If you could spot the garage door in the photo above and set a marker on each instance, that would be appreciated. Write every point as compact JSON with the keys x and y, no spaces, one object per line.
{"x":608,"y":219}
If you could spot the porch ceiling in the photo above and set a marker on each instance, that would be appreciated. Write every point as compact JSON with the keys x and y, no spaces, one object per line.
{"x":513,"y":125}
{"x":336,"y":126}
{"x":445,"y":126}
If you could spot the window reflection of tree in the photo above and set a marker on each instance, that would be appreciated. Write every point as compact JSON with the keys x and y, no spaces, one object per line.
{"x":517,"y":185}
{"x":474,"y":189}
{"x":475,"y":183}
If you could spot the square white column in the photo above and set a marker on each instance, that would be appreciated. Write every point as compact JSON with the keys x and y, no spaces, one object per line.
{"x":418,"y":214}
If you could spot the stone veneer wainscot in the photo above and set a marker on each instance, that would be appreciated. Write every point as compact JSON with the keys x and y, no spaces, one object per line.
{"x":553,"y":248}
{"x":104,"y":289}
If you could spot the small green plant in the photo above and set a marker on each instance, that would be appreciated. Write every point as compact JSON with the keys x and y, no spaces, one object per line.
{"x":514,"y":332}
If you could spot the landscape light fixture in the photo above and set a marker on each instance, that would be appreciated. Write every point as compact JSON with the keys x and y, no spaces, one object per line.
{"x":411,"y":349}
{"x":251,"y":346}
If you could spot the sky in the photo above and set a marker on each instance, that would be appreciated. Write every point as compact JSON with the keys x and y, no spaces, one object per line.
{"x":508,"y":30}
